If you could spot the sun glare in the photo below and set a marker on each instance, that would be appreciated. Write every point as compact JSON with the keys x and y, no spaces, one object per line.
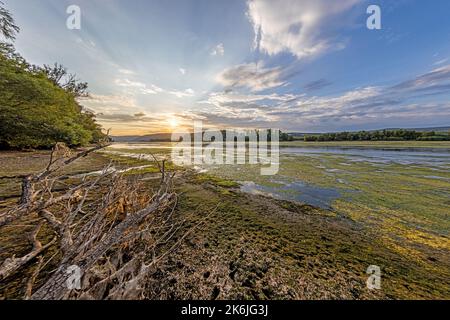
{"x":173,"y":122}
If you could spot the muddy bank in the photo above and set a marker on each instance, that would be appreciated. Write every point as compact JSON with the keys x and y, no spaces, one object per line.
{"x":256,"y":247}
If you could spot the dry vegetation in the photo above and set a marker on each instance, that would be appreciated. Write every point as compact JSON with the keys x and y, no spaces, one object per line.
{"x":109,"y":225}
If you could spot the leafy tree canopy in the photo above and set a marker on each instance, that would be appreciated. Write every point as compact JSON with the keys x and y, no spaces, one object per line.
{"x":37,"y":113}
{"x":8,"y":28}
{"x":38,"y":105}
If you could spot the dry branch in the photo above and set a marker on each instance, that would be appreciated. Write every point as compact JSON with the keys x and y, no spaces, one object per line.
{"x":108,"y":226}
{"x":33,"y":277}
{"x":12,"y":264}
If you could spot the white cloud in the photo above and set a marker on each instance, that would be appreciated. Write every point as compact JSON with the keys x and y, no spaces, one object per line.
{"x":134,"y":87}
{"x":152,"y":89}
{"x":127,"y":72}
{"x":129,"y":83}
{"x":220,"y":98}
{"x":182,"y":71}
{"x":218,"y":50}
{"x":110,"y":103}
{"x":182,"y":94}
{"x":138,"y":86}
{"x":295,"y":26}
{"x":253,"y":76}
{"x":439,"y":62}
{"x":438,"y":76}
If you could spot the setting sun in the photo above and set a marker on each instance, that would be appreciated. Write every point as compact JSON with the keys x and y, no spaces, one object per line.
{"x":172,"y":122}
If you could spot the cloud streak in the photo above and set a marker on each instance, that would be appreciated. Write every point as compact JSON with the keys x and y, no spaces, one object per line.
{"x":317,"y":85}
{"x":136,"y":87}
{"x":218,"y":50}
{"x":253,"y":76}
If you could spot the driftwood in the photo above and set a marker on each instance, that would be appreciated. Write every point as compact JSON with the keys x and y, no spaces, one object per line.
{"x":28,"y":201}
{"x":32,"y":279}
{"x":12,"y":264}
{"x":109,"y":227}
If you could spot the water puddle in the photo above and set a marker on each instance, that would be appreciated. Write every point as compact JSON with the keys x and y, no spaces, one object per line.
{"x":110,"y":170}
{"x":437,"y":178}
{"x":295,"y":191}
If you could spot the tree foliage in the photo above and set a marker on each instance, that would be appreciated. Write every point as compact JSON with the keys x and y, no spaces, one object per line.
{"x":59,"y":75}
{"x":38,"y":105}
{"x":379,"y":135}
{"x":36,"y":113}
{"x":286,"y":136}
{"x":8,"y":28}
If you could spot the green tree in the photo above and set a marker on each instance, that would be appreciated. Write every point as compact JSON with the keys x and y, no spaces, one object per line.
{"x":8,"y":28}
{"x":59,"y":75}
{"x":36,"y":111}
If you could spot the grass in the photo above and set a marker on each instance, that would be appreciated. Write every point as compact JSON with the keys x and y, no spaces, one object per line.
{"x":407,"y":207}
{"x":207,"y":178}
{"x":286,"y":250}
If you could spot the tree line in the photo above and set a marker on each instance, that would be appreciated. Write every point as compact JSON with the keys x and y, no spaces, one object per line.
{"x":379,"y":135}
{"x":39,"y":104}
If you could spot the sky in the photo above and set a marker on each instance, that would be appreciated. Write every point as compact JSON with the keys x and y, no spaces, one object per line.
{"x":297,"y":65}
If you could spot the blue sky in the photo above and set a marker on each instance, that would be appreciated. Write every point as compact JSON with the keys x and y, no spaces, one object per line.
{"x":297,"y":65}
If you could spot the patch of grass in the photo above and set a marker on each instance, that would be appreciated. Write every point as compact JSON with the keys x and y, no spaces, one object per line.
{"x":207,"y":178}
{"x":405,"y":206}
{"x":302,"y":250}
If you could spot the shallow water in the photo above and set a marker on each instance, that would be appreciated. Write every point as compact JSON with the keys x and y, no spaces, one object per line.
{"x":297,"y":191}
{"x":289,"y":189}
{"x":406,"y":156}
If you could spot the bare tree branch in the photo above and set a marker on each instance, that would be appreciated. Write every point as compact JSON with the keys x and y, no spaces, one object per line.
{"x":99,"y":223}
{"x":10,"y":265}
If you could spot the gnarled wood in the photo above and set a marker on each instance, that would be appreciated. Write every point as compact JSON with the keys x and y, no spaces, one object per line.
{"x":12,"y":264}
{"x":90,"y":232}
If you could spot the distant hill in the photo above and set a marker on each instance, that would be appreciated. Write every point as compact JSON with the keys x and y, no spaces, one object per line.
{"x":163,"y":137}
{"x":156,"y":137}
{"x":436,"y":129}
